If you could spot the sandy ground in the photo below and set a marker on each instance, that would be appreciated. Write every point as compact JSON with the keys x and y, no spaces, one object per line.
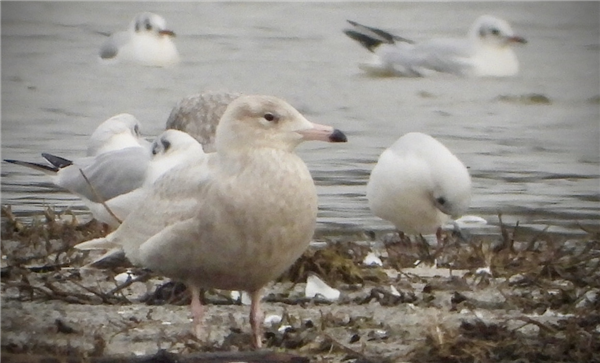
{"x":540,"y":303}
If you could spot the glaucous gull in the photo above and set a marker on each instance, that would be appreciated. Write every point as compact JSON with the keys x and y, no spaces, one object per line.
{"x":237,"y":219}
{"x":418,"y":184}
{"x":199,"y":115}
{"x":485,"y":52}
{"x":147,"y":42}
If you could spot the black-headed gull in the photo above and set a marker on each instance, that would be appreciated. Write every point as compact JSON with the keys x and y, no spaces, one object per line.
{"x":117,"y":163}
{"x":118,"y":132}
{"x":116,"y":178}
{"x":485,"y":52}
{"x":169,"y":150}
{"x":148,"y":41}
{"x":418,"y":185}
{"x":238,"y":219}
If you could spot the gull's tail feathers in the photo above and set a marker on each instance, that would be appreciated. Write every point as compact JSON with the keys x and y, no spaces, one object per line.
{"x":370,"y":37}
{"x":97,"y":244}
{"x":114,"y":256}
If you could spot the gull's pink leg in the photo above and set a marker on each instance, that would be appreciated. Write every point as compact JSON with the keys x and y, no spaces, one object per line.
{"x":256,"y":318}
{"x":197,"y":310}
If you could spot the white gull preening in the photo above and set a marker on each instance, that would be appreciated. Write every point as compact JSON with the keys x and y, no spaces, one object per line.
{"x":148,"y":41}
{"x":238,"y":218}
{"x":418,"y":185}
{"x":485,"y":52}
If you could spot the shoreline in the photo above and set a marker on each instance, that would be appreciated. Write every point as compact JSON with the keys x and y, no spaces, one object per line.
{"x":485,"y":299}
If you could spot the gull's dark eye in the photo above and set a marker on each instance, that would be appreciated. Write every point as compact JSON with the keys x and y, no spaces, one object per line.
{"x":495,"y":31}
{"x":166,"y":144}
{"x":148,"y":26}
{"x":441,"y":200}
{"x":136,"y":130}
{"x":270,"y":117}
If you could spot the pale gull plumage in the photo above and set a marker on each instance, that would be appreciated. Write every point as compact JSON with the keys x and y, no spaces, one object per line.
{"x":418,"y":184}
{"x":199,"y":115}
{"x":238,"y":218}
{"x":485,"y":52}
{"x":148,"y":41}
{"x":117,"y":164}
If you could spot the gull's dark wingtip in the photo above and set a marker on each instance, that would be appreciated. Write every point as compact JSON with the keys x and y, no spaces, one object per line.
{"x":57,"y":161}
{"x":45,"y":168}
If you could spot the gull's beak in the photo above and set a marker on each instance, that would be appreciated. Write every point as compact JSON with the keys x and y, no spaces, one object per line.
{"x":516,"y":39}
{"x":167,"y":32}
{"x":322,"y":133}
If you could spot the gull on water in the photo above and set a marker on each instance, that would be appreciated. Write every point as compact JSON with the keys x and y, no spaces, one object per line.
{"x":199,"y":115}
{"x":148,"y":41}
{"x":418,"y":185}
{"x":117,"y":164}
{"x":485,"y":52}
{"x":237,"y":219}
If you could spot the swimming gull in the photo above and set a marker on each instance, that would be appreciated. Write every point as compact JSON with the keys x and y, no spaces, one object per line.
{"x":485,"y":52}
{"x":148,"y":41}
{"x":199,"y":114}
{"x":238,"y":219}
{"x":418,"y":184}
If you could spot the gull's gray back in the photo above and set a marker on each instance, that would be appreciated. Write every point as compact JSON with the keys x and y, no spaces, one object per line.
{"x":199,"y":115}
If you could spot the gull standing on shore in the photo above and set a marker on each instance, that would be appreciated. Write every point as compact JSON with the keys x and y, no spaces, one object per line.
{"x":238,"y":219}
{"x":116,"y":164}
{"x":418,"y":185}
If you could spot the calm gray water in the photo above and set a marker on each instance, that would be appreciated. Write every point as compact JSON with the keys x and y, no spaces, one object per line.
{"x":536,"y":163}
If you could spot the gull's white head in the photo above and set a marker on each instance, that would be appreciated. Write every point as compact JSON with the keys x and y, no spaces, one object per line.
{"x":150,"y":23}
{"x":174,"y":141}
{"x":450,"y":190}
{"x":254,"y":121}
{"x":418,"y":184}
{"x":494,"y":31}
{"x":118,"y":132}
{"x":172,"y":148}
